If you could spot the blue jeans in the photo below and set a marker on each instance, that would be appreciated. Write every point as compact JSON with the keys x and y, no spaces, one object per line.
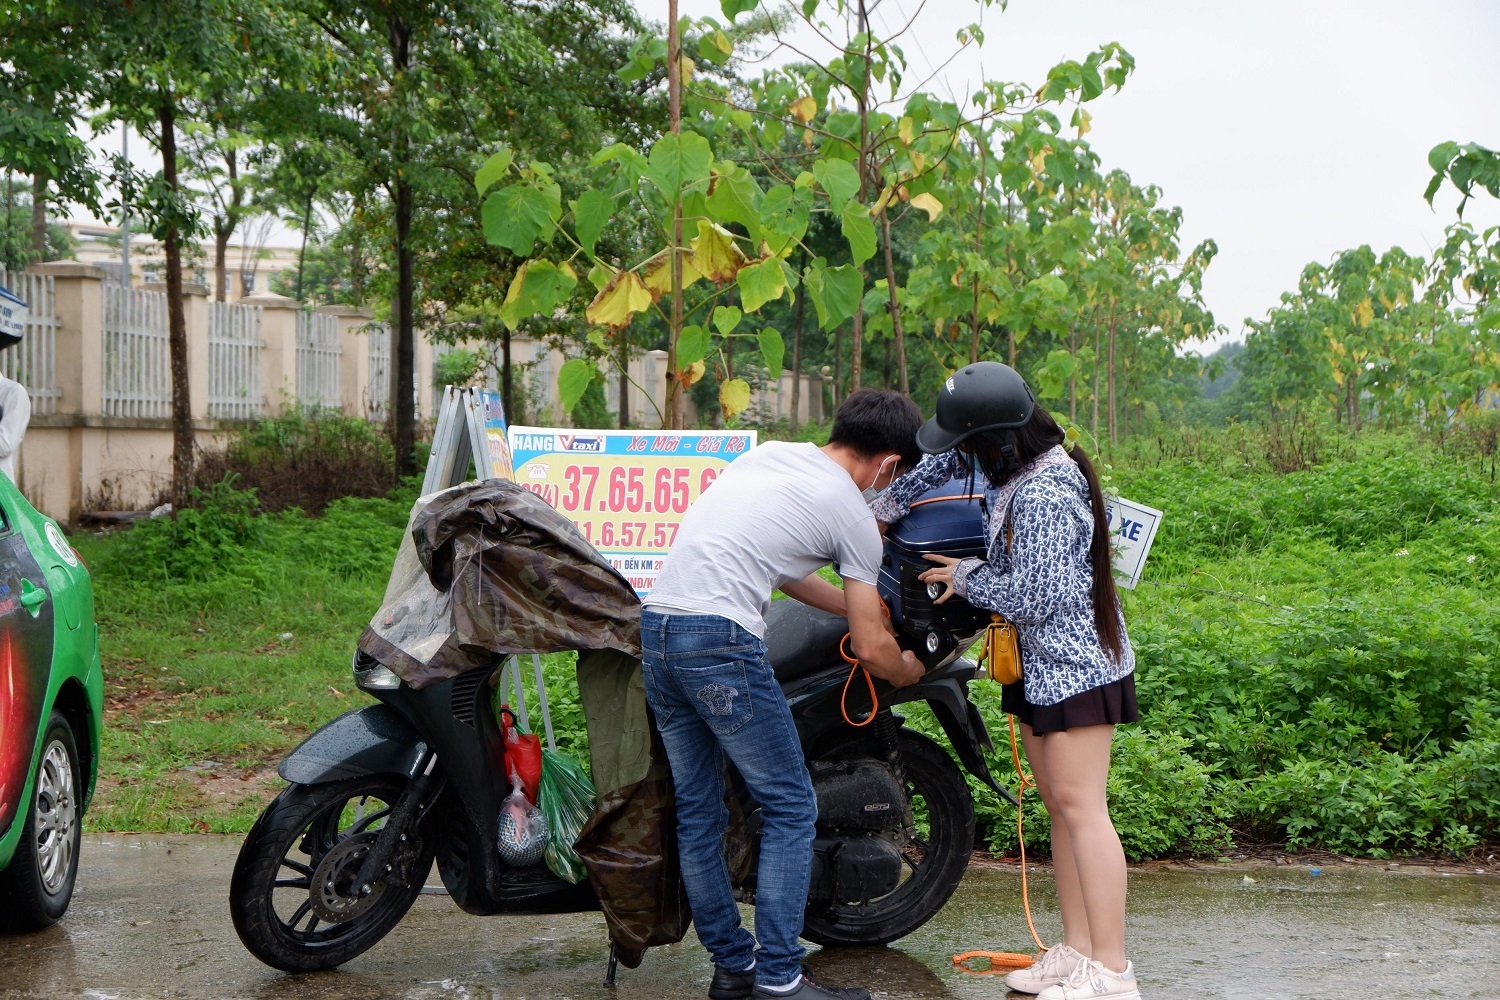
{"x":711,"y":687}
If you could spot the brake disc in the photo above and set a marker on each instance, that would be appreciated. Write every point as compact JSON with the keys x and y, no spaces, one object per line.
{"x":335,"y":892}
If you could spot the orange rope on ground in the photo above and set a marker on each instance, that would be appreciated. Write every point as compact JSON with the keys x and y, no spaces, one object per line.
{"x":1002,"y":961}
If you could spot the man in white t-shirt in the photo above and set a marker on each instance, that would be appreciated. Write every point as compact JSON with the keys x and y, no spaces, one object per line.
{"x":15,"y":414}
{"x":771,"y":520}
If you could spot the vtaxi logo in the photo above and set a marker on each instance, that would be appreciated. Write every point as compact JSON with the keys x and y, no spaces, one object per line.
{"x":574,"y":442}
{"x":950,"y":384}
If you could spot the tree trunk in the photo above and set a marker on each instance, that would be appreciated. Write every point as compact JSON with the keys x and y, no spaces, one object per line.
{"x":624,"y":362}
{"x":302,"y":251}
{"x":221,"y":252}
{"x":1094,"y":429}
{"x":39,"y":217}
{"x":838,"y":363}
{"x":897,"y":335}
{"x":177,"y":342}
{"x":674,"y":113}
{"x":1113,"y":437}
{"x":978,"y":249}
{"x":403,"y":405}
{"x":1073,"y":378}
{"x":797,"y":315}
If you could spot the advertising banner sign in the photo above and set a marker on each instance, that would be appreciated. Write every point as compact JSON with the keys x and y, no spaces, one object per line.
{"x":1132,"y":528}
{"x":625,"y":490}
{"x":496,"y":442}
{"x":13,"y":316}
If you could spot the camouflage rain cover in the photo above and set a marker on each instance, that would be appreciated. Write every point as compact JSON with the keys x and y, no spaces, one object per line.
{"x":496,"y":569}
{"x":489,"y":568}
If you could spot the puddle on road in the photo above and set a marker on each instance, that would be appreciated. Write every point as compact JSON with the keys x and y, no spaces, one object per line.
{"x":147,"y":923}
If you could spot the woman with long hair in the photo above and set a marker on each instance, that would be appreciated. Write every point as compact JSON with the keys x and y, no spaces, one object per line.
{"x":1047,"y":570}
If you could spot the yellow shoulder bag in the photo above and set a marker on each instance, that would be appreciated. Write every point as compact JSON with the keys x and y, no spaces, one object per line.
{"x":1000,"y":651}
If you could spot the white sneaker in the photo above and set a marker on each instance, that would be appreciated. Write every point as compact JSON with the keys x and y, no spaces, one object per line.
{"x":1090,"y":980}
{"x":1055,"y":965}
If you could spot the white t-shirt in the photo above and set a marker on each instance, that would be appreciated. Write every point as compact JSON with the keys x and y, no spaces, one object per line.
{"x":772,"y":517}
{"x":15,"y":414}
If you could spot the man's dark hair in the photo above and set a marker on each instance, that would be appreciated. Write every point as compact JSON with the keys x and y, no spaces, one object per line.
{"x":873,"y":421}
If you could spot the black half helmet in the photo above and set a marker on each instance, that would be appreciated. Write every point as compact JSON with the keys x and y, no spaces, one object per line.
{"x":984,"y":396}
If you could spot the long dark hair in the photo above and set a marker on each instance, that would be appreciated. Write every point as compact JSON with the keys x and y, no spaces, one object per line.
{"x":1037,"y":436}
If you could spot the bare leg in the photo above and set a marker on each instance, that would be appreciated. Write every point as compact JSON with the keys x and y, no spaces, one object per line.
{"x":1077,"y":763}
{"x":1069,"y":892}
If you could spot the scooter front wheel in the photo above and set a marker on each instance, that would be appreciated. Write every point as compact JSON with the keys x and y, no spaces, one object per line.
{"x":295,"y":898}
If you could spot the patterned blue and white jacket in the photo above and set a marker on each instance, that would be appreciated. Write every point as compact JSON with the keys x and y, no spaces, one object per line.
{"x":1044,"y":583}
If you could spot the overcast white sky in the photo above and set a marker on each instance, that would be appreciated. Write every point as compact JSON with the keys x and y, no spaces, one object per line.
{"x":1286,"y":129}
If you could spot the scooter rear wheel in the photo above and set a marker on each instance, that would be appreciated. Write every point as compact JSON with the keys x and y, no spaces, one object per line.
{"x":292,"y":896}
{"x":936,"y":857}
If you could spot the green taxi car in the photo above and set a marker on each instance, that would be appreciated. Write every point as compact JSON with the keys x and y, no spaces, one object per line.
{"x":51,"y":711}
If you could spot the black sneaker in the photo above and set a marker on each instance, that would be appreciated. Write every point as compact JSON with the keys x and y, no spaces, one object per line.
{"x":731,"y":985}
{"x":809,"y":989}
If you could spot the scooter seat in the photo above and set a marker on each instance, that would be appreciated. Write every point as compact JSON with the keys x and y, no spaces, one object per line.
{"x":801,"y":640}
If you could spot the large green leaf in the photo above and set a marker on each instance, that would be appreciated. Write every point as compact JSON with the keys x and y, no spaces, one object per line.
{"x":677,"y":161}
{"x":726,"y":318}
{"x":784,"y":214}
{"x":591,"y":213}
{"x":835,"y":291}
{"x":734,"y":8}
{"x":539,"y":286}
{"x":772,"y":349}
{"x":573,"y":380}
{"x":692,"y":345}
{"x":859,"y":231}
{"x":760,"y":283}
{"x":494,"y":168}
{"x":515,"y":216}
{"x":839,"y":179}
{"x":737,"y":198}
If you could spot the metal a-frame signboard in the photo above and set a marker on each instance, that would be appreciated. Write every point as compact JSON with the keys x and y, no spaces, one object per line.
{"x":459,"y":438}
{"x":463,"y":434}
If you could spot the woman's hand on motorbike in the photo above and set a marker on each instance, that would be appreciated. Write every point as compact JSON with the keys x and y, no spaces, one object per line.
{"x":940,"y":574}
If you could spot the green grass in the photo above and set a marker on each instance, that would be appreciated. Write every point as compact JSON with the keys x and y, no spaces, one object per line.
{"x":1316,"y":653}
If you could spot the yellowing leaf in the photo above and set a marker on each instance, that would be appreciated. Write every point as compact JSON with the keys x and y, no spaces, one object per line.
{"x":692,"y":373}
{"x":734,"y":397}
{"x":808,"y":138}
{"x":883,"y":200}
{"x":658,"y":280}
{"x":618,"y":301}
{"x":905,"y":129}
{"x":716,"y":256}
{"x":928,"y":204}
{"x":1085,"y":123}
{"x":804,"y":109}
{"x":1364,"y":313}
{"x":685,"y":69}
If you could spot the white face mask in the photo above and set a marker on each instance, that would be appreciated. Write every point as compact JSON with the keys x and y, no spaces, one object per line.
{"x":870,"y":493}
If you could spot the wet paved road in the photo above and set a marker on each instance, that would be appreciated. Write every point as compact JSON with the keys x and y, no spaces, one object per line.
{"x":150,"y":920}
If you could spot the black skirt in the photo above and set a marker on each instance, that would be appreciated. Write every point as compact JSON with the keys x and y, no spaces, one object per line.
{"x":1111,"y":704}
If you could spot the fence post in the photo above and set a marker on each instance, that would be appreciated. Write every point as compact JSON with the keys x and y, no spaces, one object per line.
{"x":80,"y":335}
{"x":354,"y":356}
{"x":52,"y":460}
{"x":278,"y":349}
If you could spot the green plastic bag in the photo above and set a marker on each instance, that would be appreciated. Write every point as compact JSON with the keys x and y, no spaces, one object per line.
{"x":567,"y":797}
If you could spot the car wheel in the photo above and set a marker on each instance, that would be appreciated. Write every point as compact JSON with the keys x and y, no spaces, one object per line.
{"x":38,"y":884}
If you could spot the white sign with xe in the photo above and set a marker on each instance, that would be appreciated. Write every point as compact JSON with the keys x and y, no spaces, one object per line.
{"x":1132,"y":528}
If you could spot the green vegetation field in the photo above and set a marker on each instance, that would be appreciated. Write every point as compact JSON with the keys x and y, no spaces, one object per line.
{"x":1317,"y":652}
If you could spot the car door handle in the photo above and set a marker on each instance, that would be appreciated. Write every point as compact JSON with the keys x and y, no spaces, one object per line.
{"x":32,"y":596}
